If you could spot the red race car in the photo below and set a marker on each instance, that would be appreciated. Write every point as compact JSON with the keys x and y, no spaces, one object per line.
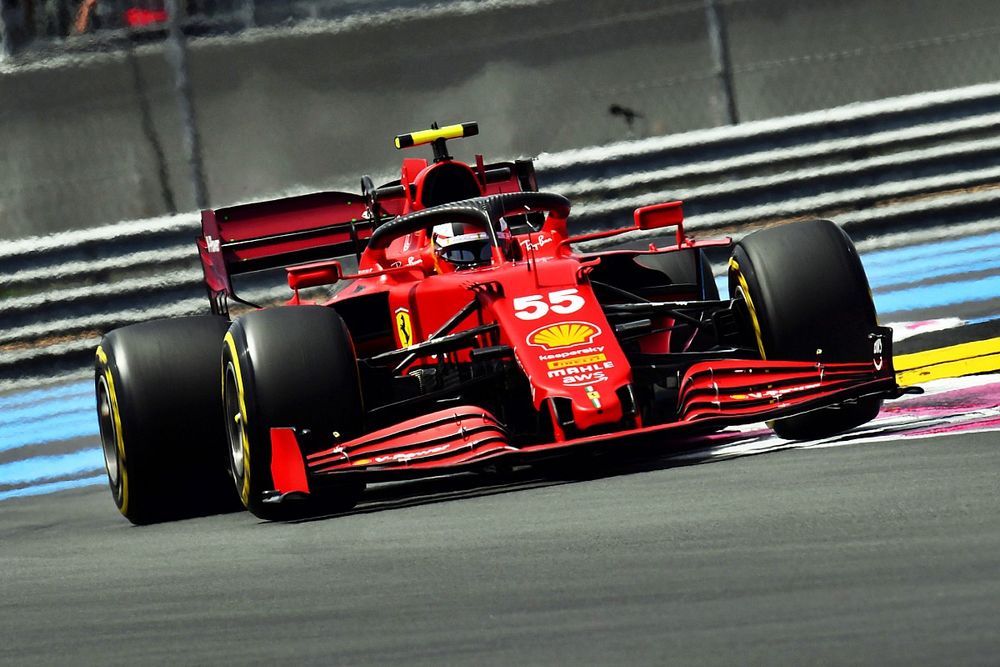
{"x":471,"y":334}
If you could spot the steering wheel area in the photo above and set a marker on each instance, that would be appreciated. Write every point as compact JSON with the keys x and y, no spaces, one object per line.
{"x":479,"y":212}
{"x":426,"y":219}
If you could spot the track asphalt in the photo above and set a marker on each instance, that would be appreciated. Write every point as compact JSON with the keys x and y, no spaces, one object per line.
{"x":880,"y":553}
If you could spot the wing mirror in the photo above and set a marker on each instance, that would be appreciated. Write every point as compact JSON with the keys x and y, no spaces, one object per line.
{"x":658,"y":216}
{"x":314,"y":275}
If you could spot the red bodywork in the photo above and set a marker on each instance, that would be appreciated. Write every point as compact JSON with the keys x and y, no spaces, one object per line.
{"x":537,"y":304}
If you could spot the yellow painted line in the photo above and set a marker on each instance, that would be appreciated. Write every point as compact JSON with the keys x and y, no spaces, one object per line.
{"x":948,"y":362}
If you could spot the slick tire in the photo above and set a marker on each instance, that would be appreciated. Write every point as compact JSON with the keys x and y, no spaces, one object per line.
{"x":158,"y":406}
{"x":805,"y":290}
{"x":288,"y":367}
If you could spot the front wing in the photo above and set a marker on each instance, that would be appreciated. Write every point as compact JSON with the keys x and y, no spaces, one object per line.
{"x":713,"y":394}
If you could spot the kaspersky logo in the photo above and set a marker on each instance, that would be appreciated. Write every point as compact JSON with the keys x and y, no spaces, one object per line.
{"x":566,"y":334}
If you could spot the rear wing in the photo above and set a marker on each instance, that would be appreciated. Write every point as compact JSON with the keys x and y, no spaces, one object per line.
{"x":276,"y":234}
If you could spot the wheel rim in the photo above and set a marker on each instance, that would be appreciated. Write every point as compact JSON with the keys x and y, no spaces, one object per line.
{"x":109,"y":436}
{"x":234,"y":424}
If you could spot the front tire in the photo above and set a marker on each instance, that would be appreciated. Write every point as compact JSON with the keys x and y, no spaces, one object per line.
{"x":288,"y":367}
{"x":158,"y":407}
{"x":807,"y":298}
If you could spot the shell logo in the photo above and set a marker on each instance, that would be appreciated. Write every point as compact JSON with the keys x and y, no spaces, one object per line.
{"x":567,"y":334}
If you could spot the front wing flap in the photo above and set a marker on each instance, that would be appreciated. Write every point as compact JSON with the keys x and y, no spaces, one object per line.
{"x":753,"y":389}
{"x":713,"y":394}
{"x":459,"y":435}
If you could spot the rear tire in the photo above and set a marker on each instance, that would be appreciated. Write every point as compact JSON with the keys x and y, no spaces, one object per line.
{"x":805,"y":291}
{"x":288,"y":367}
{"x":158,"y":407}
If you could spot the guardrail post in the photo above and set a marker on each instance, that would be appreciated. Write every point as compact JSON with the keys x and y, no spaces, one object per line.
{"x":249,"y":13}
{"x":4,"y":40}
{"x":11,"y":28}
{"x":719,"y":42}
{"x":177,"y":56}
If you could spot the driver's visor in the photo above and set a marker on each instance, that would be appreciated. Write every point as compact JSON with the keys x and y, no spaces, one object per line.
{"x":465,"y":248}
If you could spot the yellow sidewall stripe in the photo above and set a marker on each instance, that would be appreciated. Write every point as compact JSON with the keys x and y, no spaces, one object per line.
{"x":245,"y":488}
{"x":119,"y":440}
{"x":947,"y":362}
{"x":734,"y":266}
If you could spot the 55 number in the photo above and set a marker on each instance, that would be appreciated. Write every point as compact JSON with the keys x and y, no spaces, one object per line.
{"x":536,"y":306}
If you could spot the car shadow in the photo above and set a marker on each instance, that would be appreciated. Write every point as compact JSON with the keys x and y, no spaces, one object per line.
{"x":639,"y":457}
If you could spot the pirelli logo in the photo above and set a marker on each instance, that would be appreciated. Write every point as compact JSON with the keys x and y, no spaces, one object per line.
{"x":576,"y":361}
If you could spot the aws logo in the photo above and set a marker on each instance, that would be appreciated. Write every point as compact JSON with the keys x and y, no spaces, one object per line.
{"x":566,"y":334}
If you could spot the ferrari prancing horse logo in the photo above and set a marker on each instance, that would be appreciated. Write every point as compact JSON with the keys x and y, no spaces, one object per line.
{"x":404,"y":327}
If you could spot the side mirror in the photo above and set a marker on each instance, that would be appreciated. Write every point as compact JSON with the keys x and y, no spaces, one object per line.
{"x":658,"y":216}
{"x":314,"y":275}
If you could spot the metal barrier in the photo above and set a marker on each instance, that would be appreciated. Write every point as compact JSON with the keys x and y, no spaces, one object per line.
{"x":894,"y":163}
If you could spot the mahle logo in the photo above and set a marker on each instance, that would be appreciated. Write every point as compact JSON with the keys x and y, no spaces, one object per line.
{"x":567,"y":334}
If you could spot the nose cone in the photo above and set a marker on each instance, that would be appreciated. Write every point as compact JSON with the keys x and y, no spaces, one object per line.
{"x":588,"y":377}
{"x":593,"y":406}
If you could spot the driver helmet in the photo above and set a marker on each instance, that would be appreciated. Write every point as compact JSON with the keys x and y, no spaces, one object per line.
{"x":458,"y":246}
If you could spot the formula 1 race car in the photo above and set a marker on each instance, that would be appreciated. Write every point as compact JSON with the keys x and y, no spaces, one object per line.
{"x":471,"y":333}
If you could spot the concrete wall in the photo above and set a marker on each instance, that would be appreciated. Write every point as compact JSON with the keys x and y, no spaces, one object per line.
{"x":97,"y":138}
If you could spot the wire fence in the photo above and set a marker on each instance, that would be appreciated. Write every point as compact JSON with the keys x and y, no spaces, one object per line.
{"x":304,"y":94}
{"x":48,"y":24}
{"x":904,"y":45}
